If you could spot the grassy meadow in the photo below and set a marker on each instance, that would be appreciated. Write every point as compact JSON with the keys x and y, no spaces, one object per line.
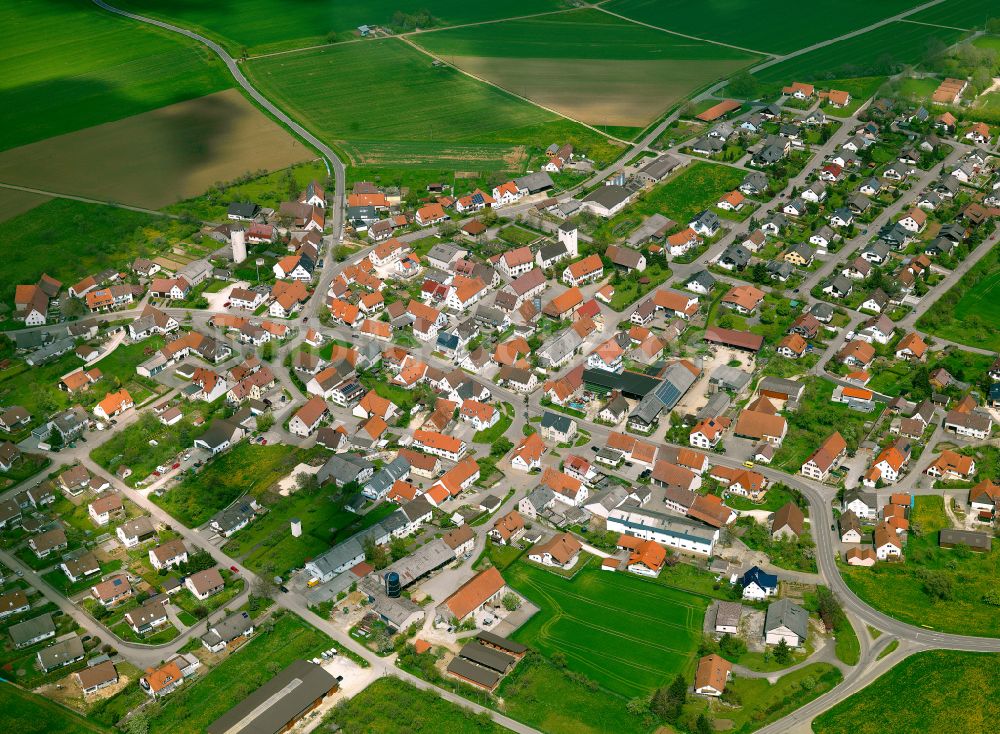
{"x":69,"y":65}
{"x":947,"y":692}
{"x":968,"y":312}
{"x":971,"y":14}
{"x":28,"y":713}
{"x":86,"y":237}
{"x":903,"y":590}
{"x":774,"y":26}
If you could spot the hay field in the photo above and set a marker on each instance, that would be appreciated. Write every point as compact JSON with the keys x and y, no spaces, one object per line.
{"x":68,"y":65}
{"x":771,"y":26}
{"x":158,"y":157}
{"x":13,"y":202}
{"x":262,"y":26}
{"x":588,"y":65}
{"x":898,"y":43}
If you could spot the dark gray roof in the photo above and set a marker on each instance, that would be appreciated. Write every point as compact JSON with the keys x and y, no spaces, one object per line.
{"x":704,"y":279}
{"x":608,"y":196}
{"x":32,"y":628}
{"x":281,"y":700}
{"x":557,"y":421}
{"x":470,"y":671}
{"x":487,"y":657}
{"x":784,"y":613}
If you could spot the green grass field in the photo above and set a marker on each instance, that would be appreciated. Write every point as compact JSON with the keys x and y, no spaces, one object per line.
{"x":27,"y":713}
{"x":246,"y":468}
{"x":394,"y":94}
{"x":87,"y":237}
{"x":899,"y":589}
{"x":392,"y":706}
{"x":197,"y":705}
{"x":895,"y":43}
{"x":969,"y":14}
{"x":774,"y":26}
{"x":74,"y":65}
{"x":626,"y":633}
{"x":968,"y":312}
{"x":816,"y":418}
{"x":262,"y":26}
{"x":947,"y":692}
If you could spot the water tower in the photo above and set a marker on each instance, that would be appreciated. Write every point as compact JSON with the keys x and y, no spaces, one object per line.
{"x":392,"y":586}
{"x":296,"y":527}
{"x":238,"y":238}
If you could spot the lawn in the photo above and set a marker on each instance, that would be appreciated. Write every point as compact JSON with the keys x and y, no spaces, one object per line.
{"x":947,"y":692}
{"x":74,"y":65}
{"x":589,"y":65}
{"x":903,"y":378}
{"x":197,"y":705}
{"x":87,"y":237}
{"x":518,"y":235}
{"x":131,"y":447}
{"x":267,"y":544}
{"x":629,"y":289}
{"x":696,"y":187}
{"x":816,"y":418}
{"x":774,"y":26}
{"x":261,"y":26}
{"x":28,"y":713}
{"x":392,"y":706}
{"x":873,"y":53}
{"x":969,"y":311}
{"x":627,"y":634}
{"x":246,"y":468}
{"x":470,"y":125}
{"x":903,"y":590}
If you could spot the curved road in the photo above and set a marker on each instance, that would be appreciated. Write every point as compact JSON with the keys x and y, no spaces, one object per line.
{"x":334,"y":164}
{"x":912,"y":638}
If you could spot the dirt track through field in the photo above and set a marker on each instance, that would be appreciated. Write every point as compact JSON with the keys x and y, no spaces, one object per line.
{"x":158,"y":157}
{"x":599,"y":91}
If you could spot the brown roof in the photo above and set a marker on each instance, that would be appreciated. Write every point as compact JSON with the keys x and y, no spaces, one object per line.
{"x":97,"y":674}
{"x":829,"y":450}
{"x":709,"y":509}
{"x":475,"y":592}
{"x":713,"y":671}
{"x":206,"y":580}
{"x":312,"y":410}
{"x":561,"y":547}
{"x":509,"y":524}
{"x":758,"y":425}
{"x":789,"y":514}
{"x":454,"y":538}
{"x":734,"y":337}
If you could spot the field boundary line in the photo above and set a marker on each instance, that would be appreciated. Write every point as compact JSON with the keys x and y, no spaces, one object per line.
{"x":532,"y":102}
{"x":420,"y":31}
{"x":88,"y":200}
{"x":937,"y":25}
{"x":860,"y":31}
{"x":688,"y":36}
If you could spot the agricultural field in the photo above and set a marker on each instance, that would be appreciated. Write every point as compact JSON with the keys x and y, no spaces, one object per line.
{"x":263,"y":26}
{"x":73,"y":66}
{"x":28,"y":713}
{"x":932,"y":681}
{"x":13,"y":202}
{"x":196,"y":706}
{"x":392,"y":706}
{"x":154,"y":159}
{"x":246,"y":468}
{"x":816,"y":418}
{"x":772,"y":27}
{"x":945,"y":590}
{"x":588,"y":65}
{"x":971,"y":14}
{"x":968,"y":312}
{"x":873,"y":52}
{"x":625,"y":633}
{"x":88,"y":238}
{"x":397,"y":95}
